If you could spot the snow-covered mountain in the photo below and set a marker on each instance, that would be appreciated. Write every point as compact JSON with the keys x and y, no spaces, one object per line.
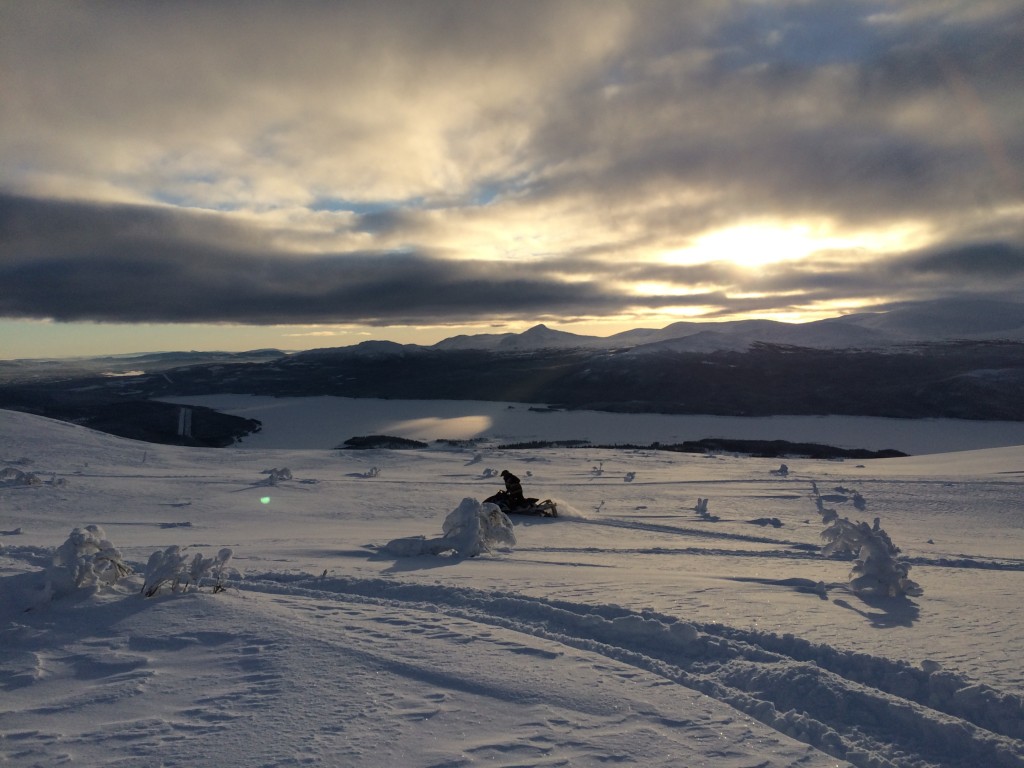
{"x":740,"y":335}
{"x":535,"y":338}
{"x":937,"y":321}
{"x":950,"y":319}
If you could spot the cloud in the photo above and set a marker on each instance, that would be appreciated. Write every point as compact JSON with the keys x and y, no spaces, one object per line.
{"x":262,"y":103}
{"x":989,"y":261}
{"x":787,"y":128}
{"x":76,"y":261}
{"x":366,"y":162}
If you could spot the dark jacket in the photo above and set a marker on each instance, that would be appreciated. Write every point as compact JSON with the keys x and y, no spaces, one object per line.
{"x":513,"y":486}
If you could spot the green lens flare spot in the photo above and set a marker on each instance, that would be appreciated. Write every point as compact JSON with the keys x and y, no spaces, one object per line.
{"x":265,"y":500}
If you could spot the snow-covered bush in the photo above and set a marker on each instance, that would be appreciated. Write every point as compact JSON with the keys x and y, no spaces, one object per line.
{"x":828,"y":514}
{"x":876,"y":569}
{"x":14,"y":476}
{"x":275,"y":475}
{"x":470,"y":529}
{"x":477,"y":528}
{"x":174,"y":569}
{"x":86,"y":559}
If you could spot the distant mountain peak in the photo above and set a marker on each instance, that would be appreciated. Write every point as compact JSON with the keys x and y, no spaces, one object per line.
{"x":542,"y":337}
{"x":542,"y":331}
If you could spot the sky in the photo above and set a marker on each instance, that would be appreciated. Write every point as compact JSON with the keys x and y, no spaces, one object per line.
{"x":240,"y":175}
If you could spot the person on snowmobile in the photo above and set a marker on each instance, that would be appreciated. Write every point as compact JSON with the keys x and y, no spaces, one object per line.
{"x":514,"y":488}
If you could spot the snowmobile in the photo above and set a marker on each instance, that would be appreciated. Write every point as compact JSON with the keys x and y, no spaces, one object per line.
{"x":534,"y":507}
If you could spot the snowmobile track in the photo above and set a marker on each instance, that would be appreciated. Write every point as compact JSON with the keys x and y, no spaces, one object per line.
{"x":869,"y":711}
{"x":696,"y":533}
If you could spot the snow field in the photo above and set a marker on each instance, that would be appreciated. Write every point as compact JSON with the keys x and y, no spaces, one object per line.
{"x":631,"y":629}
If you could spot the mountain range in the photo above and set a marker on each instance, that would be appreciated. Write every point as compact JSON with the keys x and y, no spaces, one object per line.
{"x":960,"y":319}
{"x":961,"y":360}
{"x":929,"y":322}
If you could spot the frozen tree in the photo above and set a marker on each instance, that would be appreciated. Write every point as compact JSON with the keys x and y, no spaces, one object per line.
{"x":86,"y":559}
{"x":470,"y":529}
{"x":876,"y":569}
{"x":177,"y":571}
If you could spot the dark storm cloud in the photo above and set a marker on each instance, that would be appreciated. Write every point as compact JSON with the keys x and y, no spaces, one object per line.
{"x":77,"y":261}
{"x":994,"y":269}
{"x":993,"y":261}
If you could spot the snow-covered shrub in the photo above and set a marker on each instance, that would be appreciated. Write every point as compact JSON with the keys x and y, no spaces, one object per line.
{"x":177,"y":571}
{"x":14,"y":476}
{"x":876,"y":569}
{"x":828,"y":514}
{"x":701,"y":508}
{"x":275,"y":475}
{"x":470,"y":529}
{"x":86,"y":559}
{"x":476,"y":528}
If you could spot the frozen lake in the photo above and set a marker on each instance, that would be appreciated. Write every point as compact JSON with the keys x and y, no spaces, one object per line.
{"x":325,"y":422}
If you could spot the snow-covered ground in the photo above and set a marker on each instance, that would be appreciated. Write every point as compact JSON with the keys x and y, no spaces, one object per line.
{"x":631,"y":630}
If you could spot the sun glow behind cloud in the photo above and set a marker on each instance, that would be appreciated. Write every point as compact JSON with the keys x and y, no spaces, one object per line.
{"x":756,"y":244}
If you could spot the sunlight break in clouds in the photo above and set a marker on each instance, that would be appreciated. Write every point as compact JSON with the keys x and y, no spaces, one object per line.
{"x":753,"y":244}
